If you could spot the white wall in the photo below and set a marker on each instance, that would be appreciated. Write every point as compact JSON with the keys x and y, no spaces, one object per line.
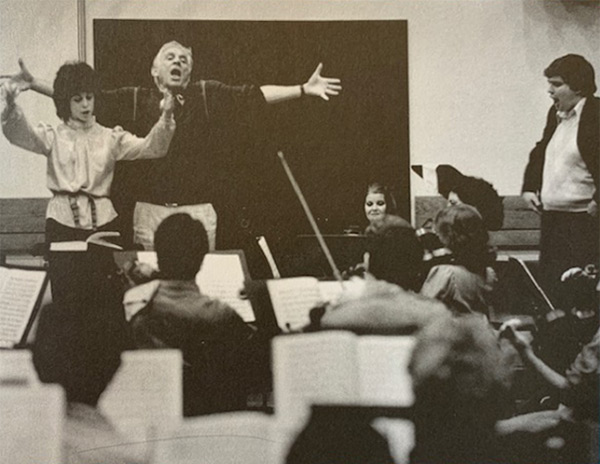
{"x":44,"y":34}
{"x":477,"y":93}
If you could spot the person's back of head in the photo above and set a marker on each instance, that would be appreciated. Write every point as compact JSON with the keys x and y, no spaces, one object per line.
{"x":180,"y":243}
{"x":576,"y":72}
{"x":461,"y":229}
{"x":396,"y":254}
{"x":460,"y":379}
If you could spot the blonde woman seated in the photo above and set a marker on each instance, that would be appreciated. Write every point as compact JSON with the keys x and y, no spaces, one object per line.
{"x":464,"y":285}
{"x":380,"y":205}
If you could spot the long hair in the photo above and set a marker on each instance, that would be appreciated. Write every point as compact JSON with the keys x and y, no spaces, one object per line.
{"x":71,"y":79}
{"x":391,"y":207}
{"x":461,"y":229}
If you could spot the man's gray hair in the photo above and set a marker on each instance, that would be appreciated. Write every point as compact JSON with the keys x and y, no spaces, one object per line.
{"x":173,"y":43}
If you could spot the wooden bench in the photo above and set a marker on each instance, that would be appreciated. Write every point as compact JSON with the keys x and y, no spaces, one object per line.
{"x":520,"y":231}
{"x":22,"y":225}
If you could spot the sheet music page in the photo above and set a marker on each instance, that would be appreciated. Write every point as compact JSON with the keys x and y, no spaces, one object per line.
{"x":292,"y":299}
{"x":72,"y":245}
{"x":16,"y":368}
{"x":219,"y":438}
{"x":383,"y":370}
{"x":312,"y":368}
{"x":32,"y":422}
{"x":222,"y":276}
{"x":400,"y":435}
{"x":19,"y":290}
{"x":146,"y":390}
{"x":332,"y":290}
{"x":148,"y":257}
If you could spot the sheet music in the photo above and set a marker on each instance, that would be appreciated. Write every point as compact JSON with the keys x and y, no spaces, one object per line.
{"x":149,"y":258}
{"x":146,"y":389}
{"x":16,"y":368}
{"x":32,"y":422}
{"x":313,"y":368}
{"x":292,"y":299}
{"x":383,"y":370}
{"x":222,"y":276}
{"x":19,"y":291}
{"x":219,"y":438}
{"x":400,"y":435}
{"x":332,"y":290}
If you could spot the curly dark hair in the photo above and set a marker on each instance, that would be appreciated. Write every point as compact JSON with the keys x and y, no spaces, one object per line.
{"x":484,"y":198}
{"x":461,"y":229}
{"x":180,"y":243}
{"x":576,"y":71}
{"x":73,"y":78}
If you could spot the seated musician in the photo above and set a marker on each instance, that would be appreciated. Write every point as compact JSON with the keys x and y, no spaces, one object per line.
{"x":460,"y":380}
{"x":379,"y":205}
{"x":171,"y":312}
{"x":395,"y":254}
{"x":466,"y":284}
{"x":574,"y":424}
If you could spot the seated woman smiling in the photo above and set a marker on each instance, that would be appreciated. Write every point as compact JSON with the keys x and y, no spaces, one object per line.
{"x":379,"y":203}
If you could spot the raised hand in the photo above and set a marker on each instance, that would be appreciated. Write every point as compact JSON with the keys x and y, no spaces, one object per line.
{"x":23,"y":79}
{"x":320,"y":86}
{"x":167,"y":104}
{"x":509,"y":330}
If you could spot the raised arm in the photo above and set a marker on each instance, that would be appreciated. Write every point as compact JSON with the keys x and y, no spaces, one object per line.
{"x":156,"y":143}
{"x":25,"y":80}
{"x":15,"y":125}
{"x":316,"y":86}
{"x":529,"y":357}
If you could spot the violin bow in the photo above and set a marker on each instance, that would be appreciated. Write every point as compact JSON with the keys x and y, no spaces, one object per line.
{"x":311,"y":219}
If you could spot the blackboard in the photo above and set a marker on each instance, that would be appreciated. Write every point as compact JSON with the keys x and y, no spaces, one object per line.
{"x":334,"y":148}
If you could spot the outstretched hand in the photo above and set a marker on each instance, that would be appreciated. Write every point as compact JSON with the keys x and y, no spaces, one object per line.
{"x":23,"y":80}
{"x":320,"y":86}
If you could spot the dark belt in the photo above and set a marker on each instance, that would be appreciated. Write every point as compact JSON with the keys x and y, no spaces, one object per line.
{"x":75,"y":208}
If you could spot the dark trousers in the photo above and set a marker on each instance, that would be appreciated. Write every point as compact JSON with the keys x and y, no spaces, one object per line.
{"x":568,"y":240}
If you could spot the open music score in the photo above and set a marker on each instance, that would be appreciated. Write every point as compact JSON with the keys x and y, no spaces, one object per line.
{"x":339,"y":367}
{"x":292,"y":298}
{"x":21,"y":293}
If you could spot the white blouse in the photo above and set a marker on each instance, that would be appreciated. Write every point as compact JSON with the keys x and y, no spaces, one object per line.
{"x":81,"y":159}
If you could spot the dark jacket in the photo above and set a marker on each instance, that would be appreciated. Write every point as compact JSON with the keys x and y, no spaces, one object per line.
{"x":588,"y":142}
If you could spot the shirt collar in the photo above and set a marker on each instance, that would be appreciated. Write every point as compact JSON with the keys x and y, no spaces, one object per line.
{"x":78,"y":125}
{"x":575,"y":111}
